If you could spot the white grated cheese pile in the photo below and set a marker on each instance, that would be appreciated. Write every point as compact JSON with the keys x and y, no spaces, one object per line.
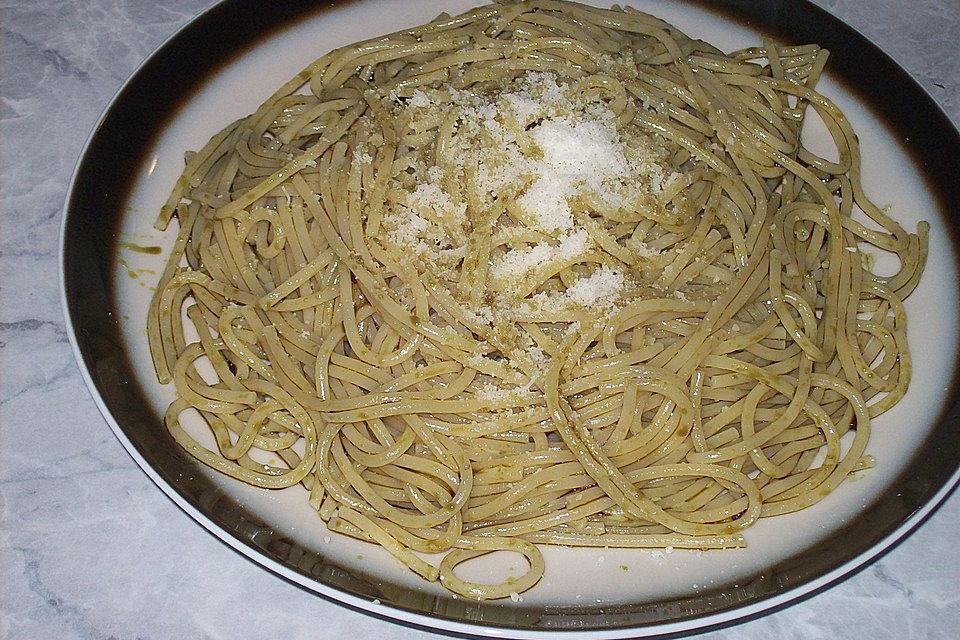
{"x":598,"y":289}
{"x":577,"y":155}
{"x":525,"y":165}
{"x":538,"y":143}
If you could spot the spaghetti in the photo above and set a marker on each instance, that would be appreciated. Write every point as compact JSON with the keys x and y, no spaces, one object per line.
{"x":540,"y":273}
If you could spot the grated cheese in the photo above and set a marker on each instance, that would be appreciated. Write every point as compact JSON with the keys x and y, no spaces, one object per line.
{"x":526,"y":153}
{"x":597,"y":290}
{"x":519,"y":262}
{"x":576,"y":155}
{"x":419,"y":99}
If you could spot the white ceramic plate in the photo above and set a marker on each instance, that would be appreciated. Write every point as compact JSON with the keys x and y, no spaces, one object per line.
{"x":594,"y":593}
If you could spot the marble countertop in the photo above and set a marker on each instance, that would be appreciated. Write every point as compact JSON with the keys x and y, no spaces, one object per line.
{"x":91,"y":549}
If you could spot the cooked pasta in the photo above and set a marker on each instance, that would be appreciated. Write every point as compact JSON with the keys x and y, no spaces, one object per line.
{"x":540,"y":273}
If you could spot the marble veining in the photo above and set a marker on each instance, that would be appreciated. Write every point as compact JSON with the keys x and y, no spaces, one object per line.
{"x":90,"y":549}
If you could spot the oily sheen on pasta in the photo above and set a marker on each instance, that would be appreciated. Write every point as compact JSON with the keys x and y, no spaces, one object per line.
{"x":540,"y":273}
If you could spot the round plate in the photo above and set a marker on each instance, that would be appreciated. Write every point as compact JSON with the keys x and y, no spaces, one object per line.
{"x":223,"y":64}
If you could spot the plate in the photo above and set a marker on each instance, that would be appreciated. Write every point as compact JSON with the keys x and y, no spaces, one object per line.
{"x":238,"y":54}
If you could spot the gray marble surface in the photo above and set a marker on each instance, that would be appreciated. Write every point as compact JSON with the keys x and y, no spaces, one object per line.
{"x":91,"y":549}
